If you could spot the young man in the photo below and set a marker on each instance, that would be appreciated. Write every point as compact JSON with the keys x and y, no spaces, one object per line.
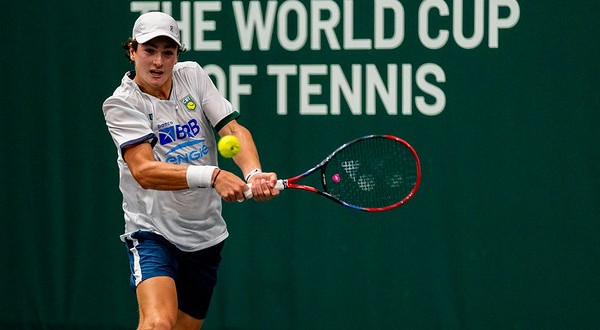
{"x":161,"y":119}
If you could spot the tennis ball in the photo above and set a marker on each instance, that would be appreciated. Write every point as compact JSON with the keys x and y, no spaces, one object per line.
{"x":228,"y":146}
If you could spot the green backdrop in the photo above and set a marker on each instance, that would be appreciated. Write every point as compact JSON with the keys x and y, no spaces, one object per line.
{"x":504,"y":113}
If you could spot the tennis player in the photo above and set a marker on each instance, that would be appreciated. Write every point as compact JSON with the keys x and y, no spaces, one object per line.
{"x":161,"y":119}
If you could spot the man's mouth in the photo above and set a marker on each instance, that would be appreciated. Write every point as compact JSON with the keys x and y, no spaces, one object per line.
{"x":156,"y":73}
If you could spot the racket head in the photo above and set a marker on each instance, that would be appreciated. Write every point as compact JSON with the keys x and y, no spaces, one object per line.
{"x":373,"y":173}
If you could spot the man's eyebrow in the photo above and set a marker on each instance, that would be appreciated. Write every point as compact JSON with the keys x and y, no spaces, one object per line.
{"x":150,"y":44}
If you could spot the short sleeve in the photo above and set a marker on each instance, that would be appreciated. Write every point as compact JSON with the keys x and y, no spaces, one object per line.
{"x":126,"y":125}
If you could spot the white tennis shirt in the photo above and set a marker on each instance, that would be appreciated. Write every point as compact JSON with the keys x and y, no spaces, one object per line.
{"x":181,"y":131}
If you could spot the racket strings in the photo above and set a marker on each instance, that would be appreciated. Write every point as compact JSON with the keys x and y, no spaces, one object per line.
{"x":374,"y":172}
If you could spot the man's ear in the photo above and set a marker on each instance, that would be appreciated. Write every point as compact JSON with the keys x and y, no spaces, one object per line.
{"x":131,"y":54}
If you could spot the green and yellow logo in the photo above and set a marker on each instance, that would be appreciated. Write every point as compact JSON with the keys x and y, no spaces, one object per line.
{"x":189,"y":103}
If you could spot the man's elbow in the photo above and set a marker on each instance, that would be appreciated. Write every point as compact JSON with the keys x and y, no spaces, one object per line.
{"x":140,"y":175}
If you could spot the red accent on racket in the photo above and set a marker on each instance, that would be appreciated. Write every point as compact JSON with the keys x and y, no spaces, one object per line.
{"x":373,"y":173}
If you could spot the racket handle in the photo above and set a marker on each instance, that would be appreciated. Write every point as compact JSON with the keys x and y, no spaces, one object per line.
{"x":279,"y":185}
{"x":247,"y":193}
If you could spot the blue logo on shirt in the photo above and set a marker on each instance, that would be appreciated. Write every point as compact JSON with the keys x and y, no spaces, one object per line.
{"x":174,"y":133}
{"x":169,"y":133}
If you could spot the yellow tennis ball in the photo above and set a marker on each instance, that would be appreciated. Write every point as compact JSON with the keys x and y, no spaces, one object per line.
{"x":228,"y":146}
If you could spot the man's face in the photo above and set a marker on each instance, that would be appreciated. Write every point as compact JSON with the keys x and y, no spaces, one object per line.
{"x":154,"y":61}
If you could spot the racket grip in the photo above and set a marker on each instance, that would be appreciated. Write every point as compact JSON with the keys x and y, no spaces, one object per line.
{"x":279,"y":185}
{"x":248,"y":193}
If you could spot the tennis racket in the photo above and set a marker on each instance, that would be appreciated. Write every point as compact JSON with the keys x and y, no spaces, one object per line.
{"x":373,"y":173}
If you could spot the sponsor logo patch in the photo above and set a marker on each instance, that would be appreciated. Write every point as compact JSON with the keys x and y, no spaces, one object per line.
{"x":189,"y":103}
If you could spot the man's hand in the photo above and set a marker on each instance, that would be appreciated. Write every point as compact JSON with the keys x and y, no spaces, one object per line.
{"x":263,"y":186}
{"x":229,"y":186}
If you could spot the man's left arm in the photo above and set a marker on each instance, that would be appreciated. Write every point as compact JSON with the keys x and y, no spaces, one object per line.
{"x":263,"y":183}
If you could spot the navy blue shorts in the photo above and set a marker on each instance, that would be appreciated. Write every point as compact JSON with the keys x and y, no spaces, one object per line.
{"x":195,"y":273}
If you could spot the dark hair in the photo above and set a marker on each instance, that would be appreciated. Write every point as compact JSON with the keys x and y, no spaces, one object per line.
{"x":132,"y":43}
{"x":129,"y":43}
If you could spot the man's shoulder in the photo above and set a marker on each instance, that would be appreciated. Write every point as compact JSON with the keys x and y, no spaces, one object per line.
{"x":126,"y":88}
{"x":189,"y":74}
{"x":186,"y":66}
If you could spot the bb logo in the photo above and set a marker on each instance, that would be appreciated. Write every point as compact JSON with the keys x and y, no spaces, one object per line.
{"x":174,"y":133}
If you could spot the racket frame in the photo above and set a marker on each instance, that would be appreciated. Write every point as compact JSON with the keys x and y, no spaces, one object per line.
{"x":290,"y":182}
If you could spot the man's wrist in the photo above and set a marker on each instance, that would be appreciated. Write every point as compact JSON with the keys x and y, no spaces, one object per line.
{"x":251,"y":173}
{"x":199,"y":176}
